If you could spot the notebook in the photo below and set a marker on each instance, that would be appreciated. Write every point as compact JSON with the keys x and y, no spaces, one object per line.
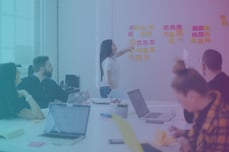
{"x":67,"y":121}
{"x":143,"y":111}
{"x":129,"y":137}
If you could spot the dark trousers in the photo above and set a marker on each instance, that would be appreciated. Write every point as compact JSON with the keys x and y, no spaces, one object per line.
{"x":104,"y":91}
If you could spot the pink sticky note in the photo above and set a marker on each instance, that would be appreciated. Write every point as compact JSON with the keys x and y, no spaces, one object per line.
{"x":165,"y":27}
{"x":172,"y":27}
{"x":179,"y":26}
{"x":130,"y":34}
{"x":131,"y":27}
{"x":139,"y":42}
{"x":194,"y":34}
{"x":36,"y":144}
{"x":151,"y":42}
{"x":195,"y":28}
{"x":201,"y":34}
{"x":145,"y":42}
{"x":201,"y":28}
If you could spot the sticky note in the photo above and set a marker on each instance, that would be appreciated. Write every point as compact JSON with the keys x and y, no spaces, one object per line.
{"x":145,"y":50}
{"x":194,"y":34}
{"x":139,"y":42}
{"x":152,"y":49}
{"x":201,"y":28}
{"x":146,"y":57}
{"x":200,"y":41}
{"x":142,"y":34}
{"x":171,"y":40}
{"x":166,"y":34}
{"x":179,"y":27}
{"x":151,"y":27}
{"x":131,"y":27}
{"x":207,"y":40}
{"x":139,"y":49}
{"x":195,"y":28}
{"x":206,"y":28}
{"x":151,"y":42}
{"x":166,"y":27}
{"x":206,"y":34}
{"x":132,"y":42}
{"x":171,"y":34}
{"x":201,"y":34}
{"x":172,"y":27}
{"x":36,"y":144}
{"x":145,"y":42}
{"x":193,"y":40}
{"x":138,"y":57}
{"x":148,"y":33}
{"x":130,"y":34}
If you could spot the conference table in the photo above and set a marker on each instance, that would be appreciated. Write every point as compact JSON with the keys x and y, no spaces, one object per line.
{"x":100,"y":130}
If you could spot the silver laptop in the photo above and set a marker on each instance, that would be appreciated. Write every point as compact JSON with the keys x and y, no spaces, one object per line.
{"x":67,"y":121}
{"x":143,"y":111}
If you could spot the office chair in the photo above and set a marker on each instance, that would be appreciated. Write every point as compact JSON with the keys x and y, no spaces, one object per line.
{"x":30,"y":70}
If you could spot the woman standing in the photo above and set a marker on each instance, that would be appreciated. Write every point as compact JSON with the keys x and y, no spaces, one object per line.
{"x":15,"y":103}
{"x":109,"y":66}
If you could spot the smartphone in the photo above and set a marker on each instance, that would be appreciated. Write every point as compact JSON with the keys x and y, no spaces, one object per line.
{"x":116,"y":141}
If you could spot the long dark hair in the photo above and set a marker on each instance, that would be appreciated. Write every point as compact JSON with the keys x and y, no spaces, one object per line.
{"x":105,"y":51}
{"x":8,"y":92}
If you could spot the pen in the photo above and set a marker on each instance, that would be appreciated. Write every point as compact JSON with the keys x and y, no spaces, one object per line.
{"x":106,"y":115}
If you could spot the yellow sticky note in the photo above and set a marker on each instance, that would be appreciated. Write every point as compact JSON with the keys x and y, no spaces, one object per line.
{"x":145,"y":50}
{"x":193,"y":40}
{"x":139,"y":50}
{"x":206,"y":28}
{"x":128,"y":134}
{"x":171,"y":40}
{"x":146,"y":57}
{"x":162,"y":138}
{"x":142,"y":34}
{"x":138,"y":57}
{"x":171,"y":34}
{"x":132,"y":42}
{"x":200,"y":41}
{"x":152,"y":49}
{"x":151,"y":27}
{"x":166,"y":34}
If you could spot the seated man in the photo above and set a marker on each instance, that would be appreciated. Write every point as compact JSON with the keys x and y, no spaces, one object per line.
{"x":216,"y":79}
{"x":40,"y":85}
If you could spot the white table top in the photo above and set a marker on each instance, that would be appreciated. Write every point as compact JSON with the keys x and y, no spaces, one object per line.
{"x":99,"y":131}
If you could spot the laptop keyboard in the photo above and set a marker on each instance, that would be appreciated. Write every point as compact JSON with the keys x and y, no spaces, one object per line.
{"x":152,"y":115}
{"x":63,"y":136}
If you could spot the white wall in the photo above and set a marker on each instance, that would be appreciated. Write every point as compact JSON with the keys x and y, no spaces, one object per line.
{"x":77,"y":41}
{"x":154,"y":76}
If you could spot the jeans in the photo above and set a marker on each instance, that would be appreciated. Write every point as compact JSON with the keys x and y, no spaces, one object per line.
{"x":104,"y":91}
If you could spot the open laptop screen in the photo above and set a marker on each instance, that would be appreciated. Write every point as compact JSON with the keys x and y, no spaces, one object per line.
{"x":138,"y":102}
{"x":67,"y":119}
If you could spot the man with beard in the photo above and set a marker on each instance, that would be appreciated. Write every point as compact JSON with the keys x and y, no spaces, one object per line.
{"x":40,"y":85}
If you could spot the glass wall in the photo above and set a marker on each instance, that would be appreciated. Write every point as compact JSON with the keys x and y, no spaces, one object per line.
{"x":28,"y":28}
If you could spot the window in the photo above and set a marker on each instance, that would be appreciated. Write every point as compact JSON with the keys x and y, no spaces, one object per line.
{"x":17,"y":31}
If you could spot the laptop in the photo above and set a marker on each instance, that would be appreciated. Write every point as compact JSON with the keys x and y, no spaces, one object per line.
{"x":143,"y":111}
{"x":67,"y":121}
{"x":129,"y":137}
